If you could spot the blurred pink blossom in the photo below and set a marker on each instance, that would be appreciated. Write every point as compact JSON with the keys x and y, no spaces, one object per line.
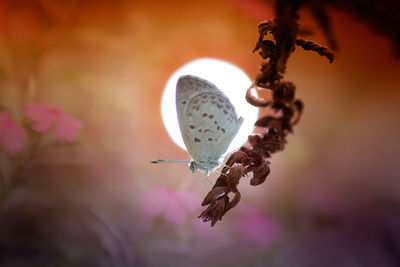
{"x":320,"y":200}
{"x":256,"y":226}
{"x":172,"y":204}
{"x":12,"y":136}
{"x":43,"y":117}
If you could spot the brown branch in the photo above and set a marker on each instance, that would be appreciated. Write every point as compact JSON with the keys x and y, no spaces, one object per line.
{"x":252,"y":160}
{"x":310,"y":45}
{"x":255,"y":101}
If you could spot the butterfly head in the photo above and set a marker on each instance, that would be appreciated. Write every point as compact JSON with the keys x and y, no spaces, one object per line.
{"x":205,"y":166}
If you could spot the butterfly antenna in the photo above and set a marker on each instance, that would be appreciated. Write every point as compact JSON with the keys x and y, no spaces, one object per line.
{"x":168,"y":161}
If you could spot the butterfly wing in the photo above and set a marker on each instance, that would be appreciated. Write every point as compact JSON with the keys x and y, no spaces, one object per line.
{"x":207,"y":119}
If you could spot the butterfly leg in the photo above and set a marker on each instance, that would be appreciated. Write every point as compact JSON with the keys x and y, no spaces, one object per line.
{"x":204,"y":182}
{"x":205,"y":179}
{"x":226,"y":166}
{"x":220,"y":173}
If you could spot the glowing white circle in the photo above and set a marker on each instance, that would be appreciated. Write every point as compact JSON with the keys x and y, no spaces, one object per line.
{"x":227,"y":77}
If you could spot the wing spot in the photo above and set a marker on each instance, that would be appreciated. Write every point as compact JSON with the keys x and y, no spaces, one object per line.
{"x":213,"y":97}
{"x":225,"y":112}
{"x":210,"y":139}
{"x":184,"y":102}
{"x":197,"y":140}
{"x":228,"y":107}
{"x":200,"y":130}
{"x":204,"y":115}
{"x":223,"y":130}
{"x":220,"y":100}
{"x":215,"y":122}
{"x":220,"y":106}
{"x":218,"y":128}
{"x":211,"y":116}
{"x":204,"y":96}
{"x":192,"y":127}
{"x":207,"y":130}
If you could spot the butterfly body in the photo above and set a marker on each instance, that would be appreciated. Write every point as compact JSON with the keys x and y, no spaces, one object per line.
{"x":207,"y":120}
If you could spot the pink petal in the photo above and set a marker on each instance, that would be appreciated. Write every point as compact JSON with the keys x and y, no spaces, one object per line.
{"x":41,"y":116}
{"x":203,"y":230}
{"x":4,"y":118}
{"x":216,"y":238}
{"x":320,"y":200}
{"x":175,"y":213}
{"x":173,"y":205}
{"x":188,"y":200}
{"x":154,"y":202}
{"x":257,"y":227}
{"x":67,"y":127}
{"x":12,"y":136}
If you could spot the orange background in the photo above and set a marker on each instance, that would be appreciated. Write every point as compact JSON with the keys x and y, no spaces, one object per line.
{"x":107,"y":62}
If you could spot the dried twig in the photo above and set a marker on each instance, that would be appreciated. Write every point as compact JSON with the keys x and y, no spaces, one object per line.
{"x":275,"y":53}
{"x":310,"y":45}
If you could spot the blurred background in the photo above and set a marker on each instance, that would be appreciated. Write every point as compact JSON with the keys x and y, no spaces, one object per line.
{"x":80,"y":90}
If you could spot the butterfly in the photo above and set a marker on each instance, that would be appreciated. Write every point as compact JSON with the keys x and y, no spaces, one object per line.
{"x":207,"y":120}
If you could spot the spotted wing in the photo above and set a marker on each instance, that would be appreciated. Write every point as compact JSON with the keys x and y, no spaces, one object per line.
{"x":207,"y":119}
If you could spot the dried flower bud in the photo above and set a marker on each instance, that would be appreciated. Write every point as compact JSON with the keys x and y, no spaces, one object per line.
{"x":235,"y":173}
{"x":284,"y":92}
{"x":260,"y":173}
{"x":267,"y":49}
{"x":214,"y":194}
{"x":255,"y":101}
{"x":214,"y":211}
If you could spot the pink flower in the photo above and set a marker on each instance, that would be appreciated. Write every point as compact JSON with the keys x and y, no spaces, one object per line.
{"x":43,"y":117}
{"x":257,"y":227}
{"x":173,"y":205}
{"x":12,"y":136}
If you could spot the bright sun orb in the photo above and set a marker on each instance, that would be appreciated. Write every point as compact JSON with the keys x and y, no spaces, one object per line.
{"x":229,"y":78}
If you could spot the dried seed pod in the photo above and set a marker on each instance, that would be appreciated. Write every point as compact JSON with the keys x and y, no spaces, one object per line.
{"x":253,"y":159}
